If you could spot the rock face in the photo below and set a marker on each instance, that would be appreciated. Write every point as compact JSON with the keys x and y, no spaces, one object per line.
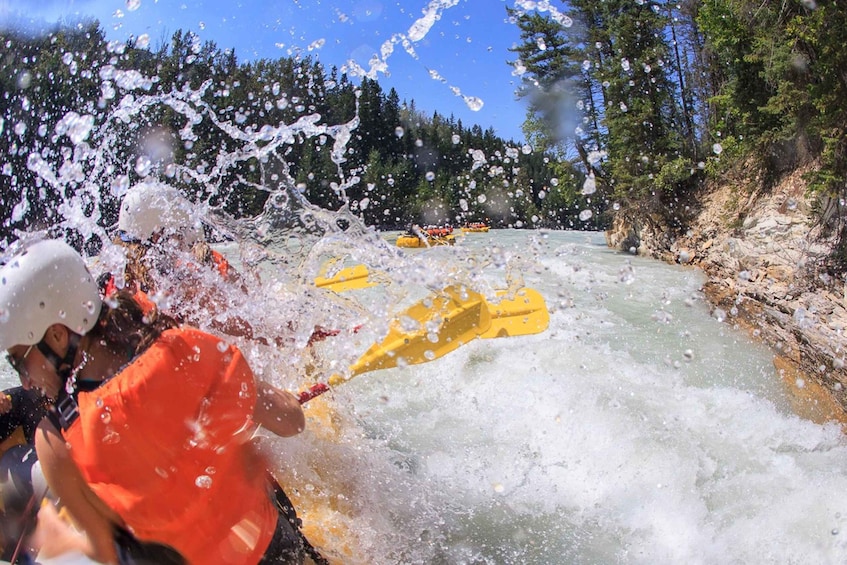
{"x":760,"y":251}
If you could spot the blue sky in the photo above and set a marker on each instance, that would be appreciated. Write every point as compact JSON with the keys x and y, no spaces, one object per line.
{"x":459,"y":58}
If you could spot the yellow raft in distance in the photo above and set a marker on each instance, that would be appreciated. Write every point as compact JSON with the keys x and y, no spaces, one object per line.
{"x":406,"y":240}
{"x":471,"y":228}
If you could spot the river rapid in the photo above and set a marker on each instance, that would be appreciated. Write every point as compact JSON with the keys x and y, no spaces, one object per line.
{"x":639,"y":428}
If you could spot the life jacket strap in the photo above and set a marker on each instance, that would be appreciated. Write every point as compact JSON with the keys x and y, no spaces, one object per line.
{"x":65,"y":412}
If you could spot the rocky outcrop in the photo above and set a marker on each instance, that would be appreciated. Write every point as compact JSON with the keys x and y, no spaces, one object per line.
{"x":759,"y":250}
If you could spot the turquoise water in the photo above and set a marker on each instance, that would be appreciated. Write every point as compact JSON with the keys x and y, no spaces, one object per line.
{"x":638,"y":428}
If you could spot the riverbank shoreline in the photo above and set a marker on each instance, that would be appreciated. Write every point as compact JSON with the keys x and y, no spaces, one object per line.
{"x":759,"y":251}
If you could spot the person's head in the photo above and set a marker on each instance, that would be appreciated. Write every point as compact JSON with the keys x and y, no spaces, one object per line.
{"x":152,"y":209}
{"x":51,"y":309}
{"x":48,"y":299}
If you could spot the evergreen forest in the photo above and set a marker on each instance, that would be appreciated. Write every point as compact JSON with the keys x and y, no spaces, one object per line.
{"x":633,"y":105}
{"x":671,"y":95}
{"x":396,"y":167}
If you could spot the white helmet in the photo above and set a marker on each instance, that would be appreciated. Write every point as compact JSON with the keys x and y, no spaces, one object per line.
{"x":152,"y":206}
{"x":46,"y":283}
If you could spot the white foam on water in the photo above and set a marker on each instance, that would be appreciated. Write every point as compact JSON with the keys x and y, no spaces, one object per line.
{"x":574,"y":446}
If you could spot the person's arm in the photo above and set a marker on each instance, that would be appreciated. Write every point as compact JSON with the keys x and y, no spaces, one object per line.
{"x":55,"y":538}
{"x":90,"y":513}
{"x":278,"y":411}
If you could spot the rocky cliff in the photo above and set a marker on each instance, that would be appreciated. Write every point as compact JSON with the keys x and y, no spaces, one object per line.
{"x":760,"y":250}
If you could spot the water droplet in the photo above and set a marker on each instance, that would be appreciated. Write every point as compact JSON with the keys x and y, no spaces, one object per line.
{"x":430,"y":176}
{"x":585,"y":215}
{"x":589,"y":186}
{"x":24,"y":80}
{"x":222,"y":346}
{"x":498,"y":487}
{"x":143,"y":41}
{"x":429,"y":354}
{"x":398,"y":131}
{"x":111,"y":437}
{"x":474,"y":103}
{"x":142,"y":165}
{"x":203,"y":481}
{"x":133,"y":5}
{"x":717,"y":148}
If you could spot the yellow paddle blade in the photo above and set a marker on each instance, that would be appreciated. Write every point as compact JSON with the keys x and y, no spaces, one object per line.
{"x":426,"y":331}
{"x":525,"y":314}
{"x":348,"y":278}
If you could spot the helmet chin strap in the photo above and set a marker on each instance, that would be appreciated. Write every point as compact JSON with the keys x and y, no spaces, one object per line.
{"x":63,"y":365}
{"x":65,"y":410}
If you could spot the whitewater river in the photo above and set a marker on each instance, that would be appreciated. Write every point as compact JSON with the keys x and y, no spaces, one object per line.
{"x":639,"y":428}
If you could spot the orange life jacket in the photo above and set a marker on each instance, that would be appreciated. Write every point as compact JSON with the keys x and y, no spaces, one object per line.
{"x":221,"y":263}
{"x":140,"y":296}
{"x":144,"y":301}
{"x":165,"y":444}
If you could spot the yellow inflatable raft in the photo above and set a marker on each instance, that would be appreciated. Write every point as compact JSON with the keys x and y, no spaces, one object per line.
{"x":320,"y":492}
{"x":406,"y":240}
{"x":475,"y":227}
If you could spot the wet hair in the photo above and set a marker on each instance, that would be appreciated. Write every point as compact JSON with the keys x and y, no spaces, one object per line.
{"x":203,"y":253}
{"x":137,"y":269}
{"x":140,"y":264}
{"x":124,"y":328}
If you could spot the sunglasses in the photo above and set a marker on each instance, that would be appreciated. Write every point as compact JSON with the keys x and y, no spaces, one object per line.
{"x":17,"y":364}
